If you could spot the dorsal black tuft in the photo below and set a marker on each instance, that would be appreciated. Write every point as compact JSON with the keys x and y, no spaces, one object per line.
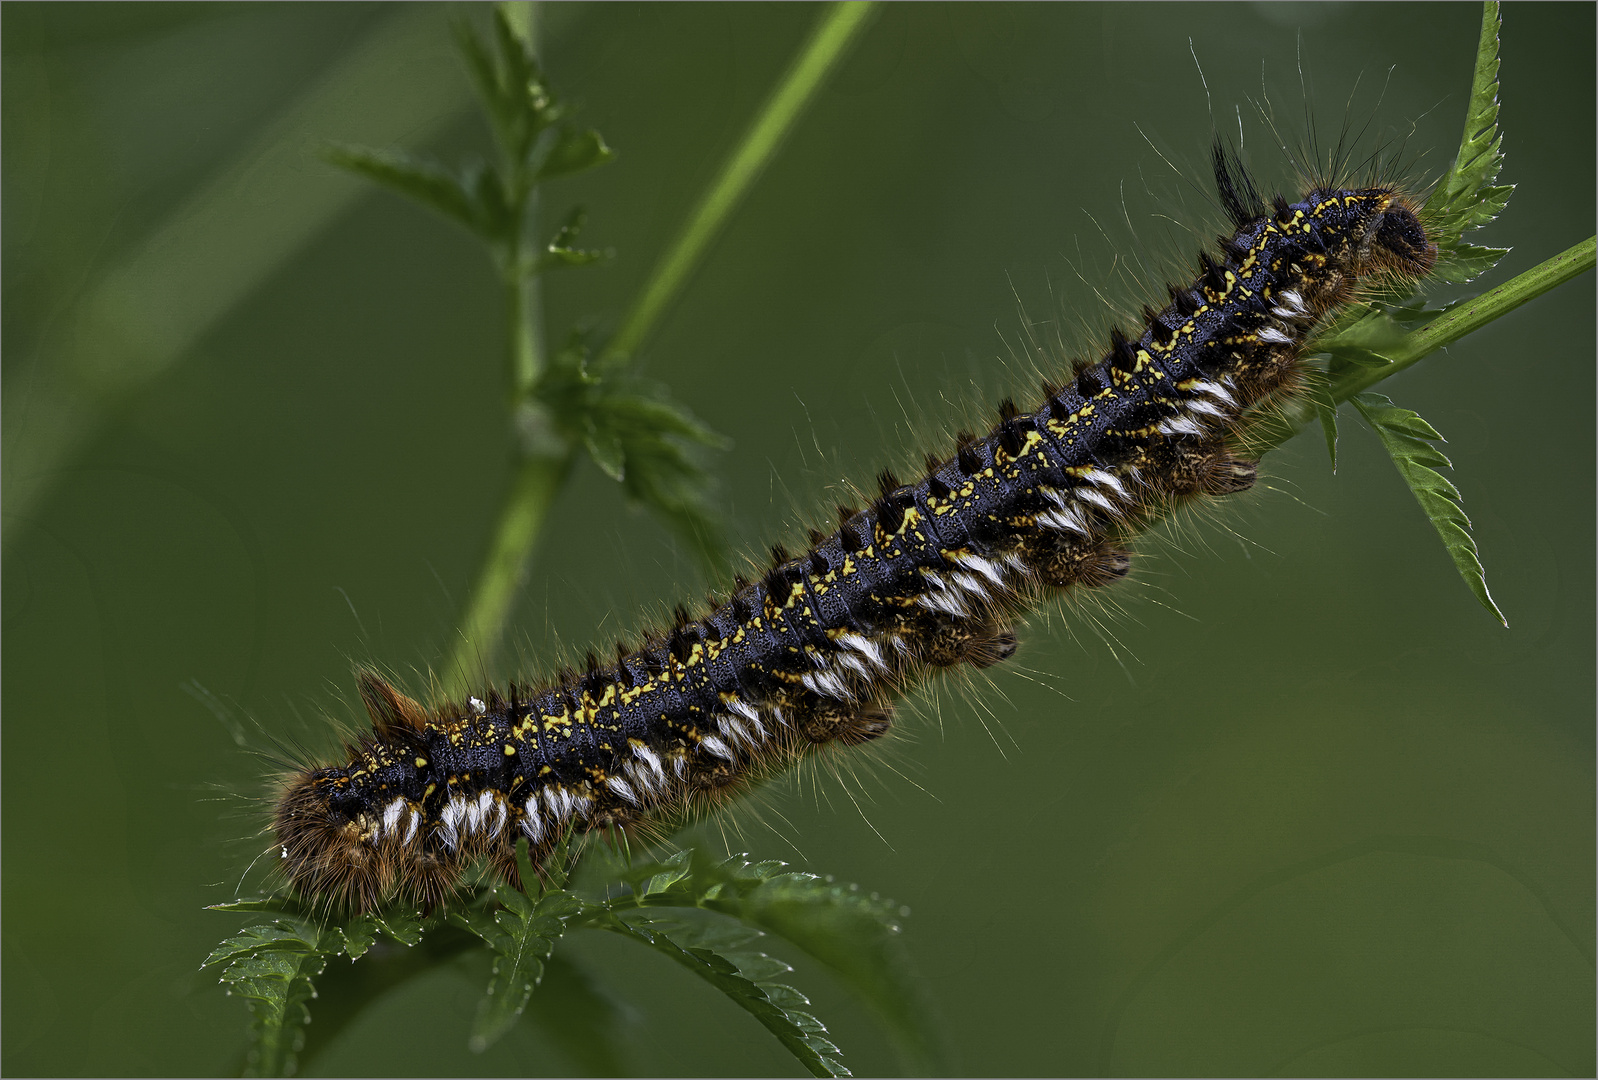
{"x":937,"y":489}
{"x":816,"y":536}
{"x":890,"y":515}
{"x":1214,"y":275}
{"x":1007,"y":410}
{"x":845,"y":513}
{"x":1186,"y":300}
{"x":849,"y":537}
{"x":887,"y":482}
{"x":779,"y":554}
{"x":966,"y":457}
{"x":933,"y":463}
{"x":1239,"y":197}
{"x":819,"y":566}
{"x":1051,"y":389}
{"x":1122,"y":356}
{"x":1284,"y":211}
{"x":1157,"y":328}
{"x":1089,"y":382}
{"x":1012,"y":435}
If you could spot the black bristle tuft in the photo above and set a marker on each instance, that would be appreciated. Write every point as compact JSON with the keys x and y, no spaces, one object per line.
{"x":779,"y":554}
{"x":849,"y":537}
{"x":1239,"y":197}
{"x":1007,"y":410}
{"x":1089,"y":383}
{"x":889,"y":514}
{"x":1123,"y":357}
{"x":1284,"y":212}
{"x":887,"y":482}
{"x":967,"y":459}
{"x":816,"y":536}
{"x":933,"y":463}
{"x":937,"y":489}
{"x":819,"y":566}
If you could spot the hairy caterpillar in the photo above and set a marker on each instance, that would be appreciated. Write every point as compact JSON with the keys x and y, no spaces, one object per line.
{"x":931,"y":575}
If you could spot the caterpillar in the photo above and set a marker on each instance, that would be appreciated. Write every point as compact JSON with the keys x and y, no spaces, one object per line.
{"x":931,"y":575}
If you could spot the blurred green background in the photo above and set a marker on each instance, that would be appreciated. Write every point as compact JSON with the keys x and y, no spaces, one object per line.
{"x":1288,"y":802}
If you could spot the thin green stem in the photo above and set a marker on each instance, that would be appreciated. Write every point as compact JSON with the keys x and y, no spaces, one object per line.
{"x":1443,"y":331}
{"x":521,"y":517}
{"x":1474,"y":314}
{"x":540,"y":473}
{"x":839,"y":25}
{"x":524,"y":321}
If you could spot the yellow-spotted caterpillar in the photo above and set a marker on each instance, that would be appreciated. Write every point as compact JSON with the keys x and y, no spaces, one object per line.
{"x":932,"y":574}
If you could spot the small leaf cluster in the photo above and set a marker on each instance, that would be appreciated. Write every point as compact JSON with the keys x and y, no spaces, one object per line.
{"x":708,"y":916}
{"x":1379,"y":333}
{"x":536,"y":143}
{"x":635,"y":433}
{"x":631,"y":429}
{"x":1409,"y":440}
{"x":274,"y":966}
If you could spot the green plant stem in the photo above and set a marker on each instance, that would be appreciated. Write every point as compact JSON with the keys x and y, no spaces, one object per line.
{"x":1474,"y":314}
{"x":1443,"y":331}
{"x":839,"y":25}
{"x":536,"y":483}
{"x":540,"y":474}
{"x":524,"y":322}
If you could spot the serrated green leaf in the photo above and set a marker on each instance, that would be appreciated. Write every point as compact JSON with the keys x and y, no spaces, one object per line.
{"x":779,"y":1008}
{"x":573,"y":151}
{"x":358,"y":934}
{"x":272,"y":967}
{"x":404,"y":925}
{"x":284,"y":904}
{"x":854,"y":933}
{"x":605,"y":447}
{"x":253,"y":939}
{"x":1408,"y":440}
{"x":522,"y":939}
{"x":427,"y":182}
{"x":1328,"y":418}
{"x":562,"y":249}
{"x":1467,"y":196}
{"x":1467,"y":262}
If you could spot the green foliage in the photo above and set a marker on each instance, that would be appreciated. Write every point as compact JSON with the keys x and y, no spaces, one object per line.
{"x":1466,"y":197}
{"x":633,"y":431}
{"x":1409,"y":440}
{"x":722,"y":910}
{"x":719,"y":953}
{"x":1376,"y":338}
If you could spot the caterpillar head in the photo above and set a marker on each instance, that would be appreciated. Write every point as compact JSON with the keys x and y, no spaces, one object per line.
{"x":326,"y":843}
{"x":1398,"y":241}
